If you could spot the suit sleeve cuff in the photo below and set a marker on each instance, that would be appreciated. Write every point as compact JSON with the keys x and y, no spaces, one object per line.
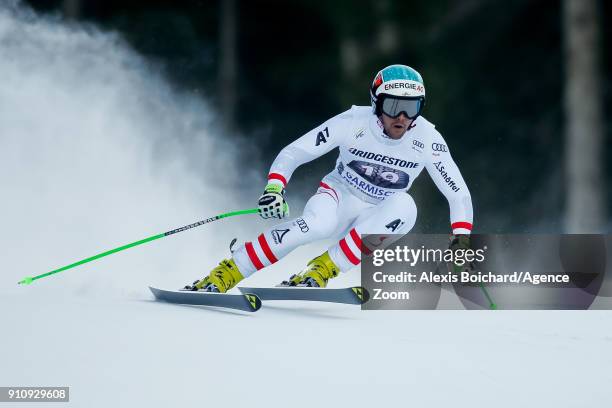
{"x":461,"y":227}
{"x":276,"y":178}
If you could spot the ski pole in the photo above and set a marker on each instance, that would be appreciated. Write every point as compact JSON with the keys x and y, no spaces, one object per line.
{"x":29,"y":279}
{"x":492,"y":304}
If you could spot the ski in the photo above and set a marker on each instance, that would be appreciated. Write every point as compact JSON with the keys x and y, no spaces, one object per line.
{"x":247,"y":302}
{"x":355,"y":295}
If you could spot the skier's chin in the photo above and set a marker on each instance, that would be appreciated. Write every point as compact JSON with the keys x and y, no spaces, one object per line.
{"x":397,"y":131}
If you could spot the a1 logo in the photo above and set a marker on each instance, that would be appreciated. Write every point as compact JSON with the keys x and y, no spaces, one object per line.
{"x":322,"y":138}
{"x":393,"y":225}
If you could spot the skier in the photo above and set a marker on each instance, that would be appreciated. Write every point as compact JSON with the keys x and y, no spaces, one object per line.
{"x":383,"y":148}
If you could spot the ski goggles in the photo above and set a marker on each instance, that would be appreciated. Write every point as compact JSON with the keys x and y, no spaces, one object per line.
{"x":411,"y":107}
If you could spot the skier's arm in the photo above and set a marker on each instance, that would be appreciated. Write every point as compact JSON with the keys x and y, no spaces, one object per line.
{"x":308,"y":147}
{"x":447,"y":177}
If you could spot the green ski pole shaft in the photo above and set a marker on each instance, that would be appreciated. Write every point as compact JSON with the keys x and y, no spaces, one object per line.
{"x":492,"y":304}
{"x":29,"y":279}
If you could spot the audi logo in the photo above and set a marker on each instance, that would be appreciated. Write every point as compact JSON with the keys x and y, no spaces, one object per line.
{"x":439,"y":147}
{"x":418,"y":144}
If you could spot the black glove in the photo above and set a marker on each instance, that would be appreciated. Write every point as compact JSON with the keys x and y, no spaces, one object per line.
{"x":458,"y":244}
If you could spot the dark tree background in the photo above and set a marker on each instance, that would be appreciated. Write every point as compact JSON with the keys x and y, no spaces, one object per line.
{"x":494,"y":73}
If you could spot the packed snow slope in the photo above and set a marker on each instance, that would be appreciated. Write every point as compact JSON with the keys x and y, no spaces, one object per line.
{"x":128,"y":351}
{"x":98,"y":150}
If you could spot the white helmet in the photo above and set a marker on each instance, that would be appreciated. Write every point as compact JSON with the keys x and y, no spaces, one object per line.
{"x":403,"y":89}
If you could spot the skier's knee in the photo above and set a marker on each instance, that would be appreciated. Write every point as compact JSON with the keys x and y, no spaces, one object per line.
{"x":317,"y":225}
{"x":403,"y":206}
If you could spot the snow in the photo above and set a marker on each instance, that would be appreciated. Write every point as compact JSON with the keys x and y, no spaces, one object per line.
{"x":131,"y":351}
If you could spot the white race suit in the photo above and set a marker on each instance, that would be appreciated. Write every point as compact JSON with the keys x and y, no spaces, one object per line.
{"x":365,"y":193}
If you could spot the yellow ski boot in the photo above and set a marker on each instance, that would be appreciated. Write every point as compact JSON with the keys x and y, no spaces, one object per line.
{"x":318,"y":271}
{"x":221,"y":279}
